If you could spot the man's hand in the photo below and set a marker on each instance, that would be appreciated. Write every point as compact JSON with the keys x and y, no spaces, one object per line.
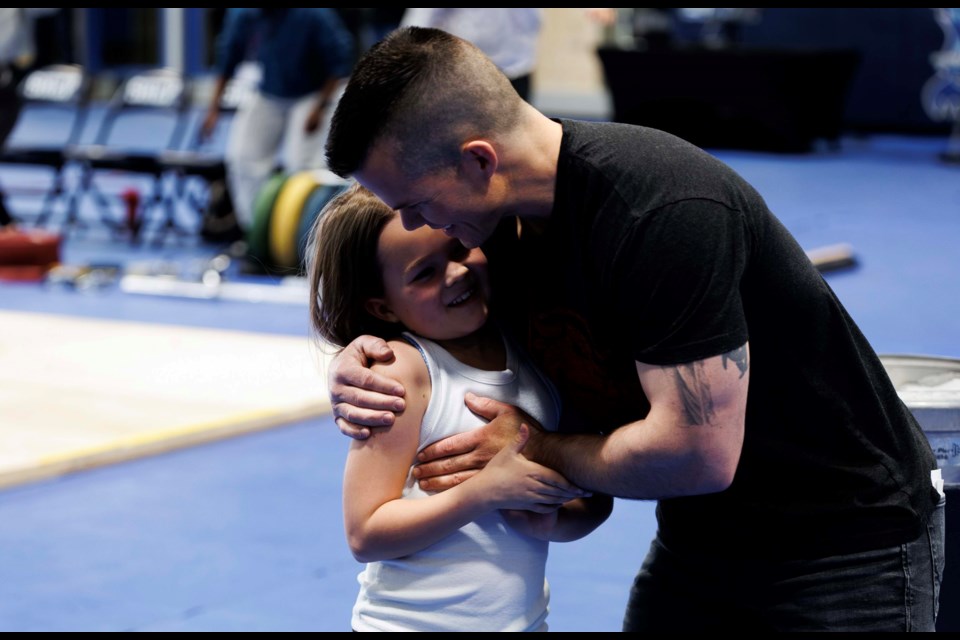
{"x":209,"y":125}
{"x":362,"y":399}
{"x":312,"y":122}
{"x":448,"y":462}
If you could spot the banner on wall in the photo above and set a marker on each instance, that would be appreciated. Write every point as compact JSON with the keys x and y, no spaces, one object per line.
{"x":941,"y":93}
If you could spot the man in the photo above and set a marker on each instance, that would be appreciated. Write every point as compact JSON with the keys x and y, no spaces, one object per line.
{"x":702,"y":359}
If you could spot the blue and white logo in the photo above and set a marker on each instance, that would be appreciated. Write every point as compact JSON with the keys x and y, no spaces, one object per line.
{"x":941,"y":93}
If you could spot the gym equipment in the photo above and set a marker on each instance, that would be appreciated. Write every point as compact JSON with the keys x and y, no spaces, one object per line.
{"x":45,"y":92}
{"x":147,"y":114}
{"x":84,"y":277}
{"x":286,"y":218}
{"x":83,"y":392}
{"x":208,"y":279}
{"x":832,"y":257}
{"x":27,"y":256}
{"x":283,"y":212}
{"x":258,"y":237}
{"x":311,"y":212}
{"x":291,"y":290}
{"x":930,"y":387}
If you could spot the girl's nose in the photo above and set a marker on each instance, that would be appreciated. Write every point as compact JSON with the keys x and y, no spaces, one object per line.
{"x":455,"y":272}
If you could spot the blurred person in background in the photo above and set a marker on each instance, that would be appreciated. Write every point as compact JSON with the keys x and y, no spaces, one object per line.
{"x":507,"y":36}
{"x":303,"y":54}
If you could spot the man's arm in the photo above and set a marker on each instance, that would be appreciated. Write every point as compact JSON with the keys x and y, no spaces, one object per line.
{"x":688,"y":444}
{"x":381,"y":525}
{"x":230,"y":50}
{"x":315,"y":117}
{"x":213,"y":110}
{"x":361,"y":398}
{"x":572,"y":521}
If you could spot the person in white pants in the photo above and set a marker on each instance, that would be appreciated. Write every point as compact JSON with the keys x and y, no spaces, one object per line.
{"x":508,"y":36}
{"x":302,"y":56}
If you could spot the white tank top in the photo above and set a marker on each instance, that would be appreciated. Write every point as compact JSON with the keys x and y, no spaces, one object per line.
{"x":485,"y":576}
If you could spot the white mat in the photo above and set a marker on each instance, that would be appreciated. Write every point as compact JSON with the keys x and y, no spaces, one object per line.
{"x":77,"y":393}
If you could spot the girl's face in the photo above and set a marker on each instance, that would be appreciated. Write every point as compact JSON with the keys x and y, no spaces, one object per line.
{"x":432,"y":284}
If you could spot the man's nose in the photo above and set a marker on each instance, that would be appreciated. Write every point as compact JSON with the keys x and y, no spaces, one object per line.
{"x":411,"y":220}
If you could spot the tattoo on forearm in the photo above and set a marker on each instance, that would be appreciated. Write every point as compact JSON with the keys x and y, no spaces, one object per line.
{"x":739,"y":357}
{"x":694,"y":393}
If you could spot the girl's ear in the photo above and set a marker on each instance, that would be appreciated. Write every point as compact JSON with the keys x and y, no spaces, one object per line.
{"x":378,"y":308}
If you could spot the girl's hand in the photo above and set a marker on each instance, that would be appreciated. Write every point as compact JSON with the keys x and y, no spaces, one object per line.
{"x":510,"y":481}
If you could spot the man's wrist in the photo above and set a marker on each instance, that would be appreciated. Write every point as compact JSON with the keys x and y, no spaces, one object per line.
{"x":534,"y":449}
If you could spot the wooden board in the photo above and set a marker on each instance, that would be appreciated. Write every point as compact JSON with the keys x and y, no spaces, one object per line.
{"x":78,"y":393}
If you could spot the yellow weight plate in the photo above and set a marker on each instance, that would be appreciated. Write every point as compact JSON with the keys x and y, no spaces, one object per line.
{"x":286,"y":218}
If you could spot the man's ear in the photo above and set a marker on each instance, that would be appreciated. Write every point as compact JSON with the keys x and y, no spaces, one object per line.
{"x":378,"y":308}
{"x":478,"y":160}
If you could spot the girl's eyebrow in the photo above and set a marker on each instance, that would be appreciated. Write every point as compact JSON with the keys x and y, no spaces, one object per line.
{"x":416,"y":264}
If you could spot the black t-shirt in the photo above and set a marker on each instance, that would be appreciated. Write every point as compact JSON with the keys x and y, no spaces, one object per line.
{"x":657,"y":252}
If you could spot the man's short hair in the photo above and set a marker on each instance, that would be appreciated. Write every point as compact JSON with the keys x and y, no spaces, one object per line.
{"x":426,"y":91}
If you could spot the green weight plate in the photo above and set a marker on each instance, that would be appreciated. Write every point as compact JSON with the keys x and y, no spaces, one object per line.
{"x":258,"y":237}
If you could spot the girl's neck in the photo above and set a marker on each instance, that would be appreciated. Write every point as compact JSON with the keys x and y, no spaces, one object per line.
{"x":482,"y":349}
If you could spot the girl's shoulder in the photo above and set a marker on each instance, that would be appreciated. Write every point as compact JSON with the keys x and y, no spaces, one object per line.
{"x":407,"y":367}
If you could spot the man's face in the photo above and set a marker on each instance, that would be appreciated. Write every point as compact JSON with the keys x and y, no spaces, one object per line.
{"x":444,"y":199}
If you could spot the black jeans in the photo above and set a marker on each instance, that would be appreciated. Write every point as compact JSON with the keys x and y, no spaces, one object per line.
{"x":895,"y":589}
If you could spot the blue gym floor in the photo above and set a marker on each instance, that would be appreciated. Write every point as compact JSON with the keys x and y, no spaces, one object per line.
{"x":245,"y":534}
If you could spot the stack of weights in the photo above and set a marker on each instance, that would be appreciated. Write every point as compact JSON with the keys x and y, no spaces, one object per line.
{"x":284,"y":212}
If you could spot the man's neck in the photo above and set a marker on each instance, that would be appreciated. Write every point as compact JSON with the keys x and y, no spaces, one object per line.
{"x":532,"y":158}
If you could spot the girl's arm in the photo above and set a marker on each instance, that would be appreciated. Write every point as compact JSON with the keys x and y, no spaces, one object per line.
{"x":380,"y":525}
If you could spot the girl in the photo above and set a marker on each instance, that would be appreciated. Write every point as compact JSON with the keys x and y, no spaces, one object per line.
{"x":472,"y":557}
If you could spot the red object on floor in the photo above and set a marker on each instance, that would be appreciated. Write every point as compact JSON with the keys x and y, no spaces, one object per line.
{"x":23,"y":273}
{"x":26,"y":256}
{"x":131,"y":197}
